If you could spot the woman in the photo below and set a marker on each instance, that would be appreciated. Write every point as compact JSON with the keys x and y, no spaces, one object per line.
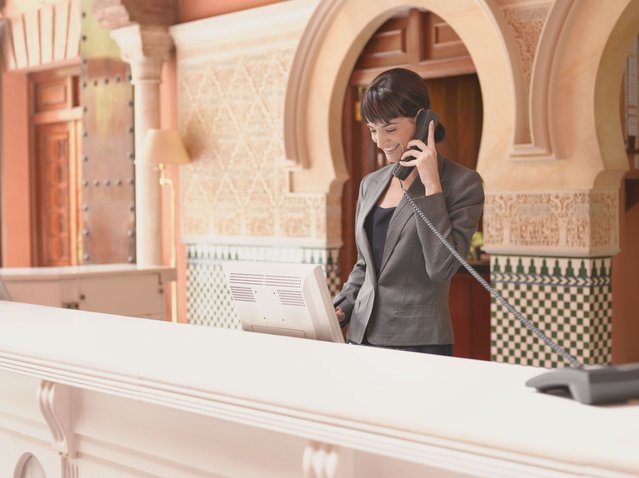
{"x":397,"y":294}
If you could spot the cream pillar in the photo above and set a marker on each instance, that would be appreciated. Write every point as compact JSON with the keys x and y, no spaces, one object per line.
{"x":145,"y":48}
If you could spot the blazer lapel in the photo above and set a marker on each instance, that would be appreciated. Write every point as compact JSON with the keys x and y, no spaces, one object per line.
{"x":376,"y":189}
{"x":404,"y":212}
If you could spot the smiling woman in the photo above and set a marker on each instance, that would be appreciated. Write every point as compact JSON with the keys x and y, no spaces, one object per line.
{"x":397,"y":293}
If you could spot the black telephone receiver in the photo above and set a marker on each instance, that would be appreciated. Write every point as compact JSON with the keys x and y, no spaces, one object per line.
{"x":421,"y":132}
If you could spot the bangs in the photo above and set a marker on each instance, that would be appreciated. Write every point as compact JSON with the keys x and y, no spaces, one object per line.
{"x":381,"y":106}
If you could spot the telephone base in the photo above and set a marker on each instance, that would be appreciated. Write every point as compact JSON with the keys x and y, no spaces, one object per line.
{"x":591,"y":385}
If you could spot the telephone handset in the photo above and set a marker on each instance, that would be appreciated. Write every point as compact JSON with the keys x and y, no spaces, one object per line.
{"x":421,"y":132}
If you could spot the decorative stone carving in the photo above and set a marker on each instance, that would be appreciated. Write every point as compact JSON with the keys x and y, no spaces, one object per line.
{"x":231,"y":95}
{"x":146,"y":48}
{"x":526,"y":19}
{"x":581,"y":222}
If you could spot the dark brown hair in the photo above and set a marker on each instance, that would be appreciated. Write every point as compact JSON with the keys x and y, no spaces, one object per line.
{"x":395,"y":93}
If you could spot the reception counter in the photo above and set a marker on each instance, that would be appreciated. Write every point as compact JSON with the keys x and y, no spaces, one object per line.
{"x":123,"y":289}
{"x":95,"y":395}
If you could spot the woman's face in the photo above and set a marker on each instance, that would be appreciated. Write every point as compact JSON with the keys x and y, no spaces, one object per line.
{"x":392,"y":137}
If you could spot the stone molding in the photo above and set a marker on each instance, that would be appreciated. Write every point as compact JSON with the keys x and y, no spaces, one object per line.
{"x":573,"y":223}
{"x":36,"y":38}
{"x":145,"y":48}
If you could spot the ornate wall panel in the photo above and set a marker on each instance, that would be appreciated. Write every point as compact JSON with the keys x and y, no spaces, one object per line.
{"x":573,"y":223}
{"x":231,"y":116}
{"x":526,"y":19}
{"x":231,"y":102}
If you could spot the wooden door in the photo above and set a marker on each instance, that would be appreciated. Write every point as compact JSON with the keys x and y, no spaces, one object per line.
{"x":55,"y":132}
{"x":57,"y":193}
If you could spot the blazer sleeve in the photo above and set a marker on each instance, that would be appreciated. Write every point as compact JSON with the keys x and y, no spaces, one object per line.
{"x":351,"y":287}
{"x":455,"y":214}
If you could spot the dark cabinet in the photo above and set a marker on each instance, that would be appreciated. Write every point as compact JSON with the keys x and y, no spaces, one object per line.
{"x":469,"y":306}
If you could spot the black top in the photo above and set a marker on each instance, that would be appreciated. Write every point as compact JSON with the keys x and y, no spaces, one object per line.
{"x":376,"y":226}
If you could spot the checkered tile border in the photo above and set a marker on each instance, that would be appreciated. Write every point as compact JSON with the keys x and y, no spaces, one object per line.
{"x":208,"y":298}
{"x":569,"y":299}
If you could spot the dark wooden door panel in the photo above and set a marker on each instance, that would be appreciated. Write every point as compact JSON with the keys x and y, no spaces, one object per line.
{"x":56,"y":215}
{"x":54,"y":123}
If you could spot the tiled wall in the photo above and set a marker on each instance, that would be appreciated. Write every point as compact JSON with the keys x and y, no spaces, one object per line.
{"x":569,"y":299}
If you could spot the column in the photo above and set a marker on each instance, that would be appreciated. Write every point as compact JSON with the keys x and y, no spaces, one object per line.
{"x":146,"y":48}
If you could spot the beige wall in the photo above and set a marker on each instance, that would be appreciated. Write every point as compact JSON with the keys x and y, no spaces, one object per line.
{"x":15,"y":200}
{"x":232,"y":83}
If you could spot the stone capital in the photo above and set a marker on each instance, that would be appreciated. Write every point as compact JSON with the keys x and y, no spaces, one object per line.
{"x":145,"y":48}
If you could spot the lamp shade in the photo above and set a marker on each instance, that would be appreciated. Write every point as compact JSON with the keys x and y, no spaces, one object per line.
{"x":163,"y":146}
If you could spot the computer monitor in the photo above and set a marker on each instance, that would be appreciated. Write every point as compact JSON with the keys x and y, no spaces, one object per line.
{"x":283,"y":299}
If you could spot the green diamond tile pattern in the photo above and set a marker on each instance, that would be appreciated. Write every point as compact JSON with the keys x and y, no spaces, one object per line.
{"x":569,"y":299}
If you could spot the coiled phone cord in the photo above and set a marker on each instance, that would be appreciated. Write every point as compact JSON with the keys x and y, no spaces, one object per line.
{"x":528,"y":324}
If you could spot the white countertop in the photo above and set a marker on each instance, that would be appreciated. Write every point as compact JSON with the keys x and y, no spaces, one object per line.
{"x":401,"y":402}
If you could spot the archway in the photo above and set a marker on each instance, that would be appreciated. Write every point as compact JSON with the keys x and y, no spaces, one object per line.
{"x":328,"y":50}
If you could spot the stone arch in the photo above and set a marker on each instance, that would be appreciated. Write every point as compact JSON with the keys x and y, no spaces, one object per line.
{"x":593,"y":48}
{"x":540,"y":122}
{"x":574,"y":117}
{"x":608,"y":78}
{"x":330,"y":45}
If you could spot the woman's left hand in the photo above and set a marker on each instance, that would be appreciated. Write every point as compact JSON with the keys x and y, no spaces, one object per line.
{"x":425,"y":161}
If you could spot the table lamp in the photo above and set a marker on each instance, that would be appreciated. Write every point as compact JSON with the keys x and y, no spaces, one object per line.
{"x":162,"y":147}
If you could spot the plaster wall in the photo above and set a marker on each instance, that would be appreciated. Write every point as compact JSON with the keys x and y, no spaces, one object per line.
{"x":15,"y":200}
{"x":232,"y":78}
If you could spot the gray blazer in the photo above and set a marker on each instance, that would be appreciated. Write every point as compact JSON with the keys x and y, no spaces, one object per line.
{"x":408,"y":303}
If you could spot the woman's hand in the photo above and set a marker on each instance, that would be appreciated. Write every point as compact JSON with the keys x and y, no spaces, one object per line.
{"x":425,"y":161}
{"x":341,"y":315}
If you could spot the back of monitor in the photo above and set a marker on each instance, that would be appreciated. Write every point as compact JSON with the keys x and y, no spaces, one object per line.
{"x":283,"y":299}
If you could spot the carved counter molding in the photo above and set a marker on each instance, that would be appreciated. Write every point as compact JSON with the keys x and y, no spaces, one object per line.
{"x":154,"y":398}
